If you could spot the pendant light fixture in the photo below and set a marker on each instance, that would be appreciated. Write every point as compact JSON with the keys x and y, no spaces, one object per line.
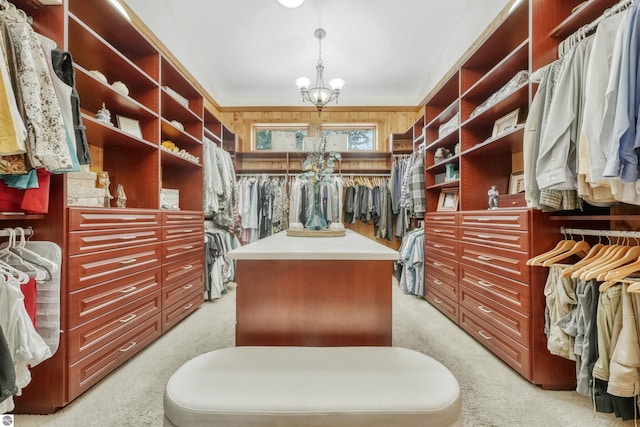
{"x":319,"y":95}
{"x":291,"y":3}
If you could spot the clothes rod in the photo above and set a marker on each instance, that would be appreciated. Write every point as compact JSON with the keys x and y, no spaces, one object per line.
{"x":6,"y":232}
{"x":600,"y":233}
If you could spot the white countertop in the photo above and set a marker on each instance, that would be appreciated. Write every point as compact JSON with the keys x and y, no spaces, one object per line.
{"x":351,"y":246}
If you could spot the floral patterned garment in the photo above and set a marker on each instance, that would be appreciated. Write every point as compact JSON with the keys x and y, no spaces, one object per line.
{"x":47,"y":142}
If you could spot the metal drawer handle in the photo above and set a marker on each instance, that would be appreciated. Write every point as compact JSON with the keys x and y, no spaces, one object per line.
{"x":437,"y":264}
{"x":484,"y":335}
{"x":484,"y":258}
{"x":129,"y":261}
{"x":438,"y":246}
{"x":485,"y":284}
{"x":437,"y":300}
{"x":129,"y":347}
{"x":129,"y":318}
{"x":188,"y":217}
{"x":484,"y":309}
{"x":188,"y":306}
{"x":188,"y":231}
{"x":127,"y":237}
{"x":440,"y":218}
{"x":187,"y":287}
{"x":129,"y":218}
{"x":484,"y":219}
{"x":128,"y":290}
{"x":483,"y":236}
{"x":435,"y":230}
{"x":437,"y":282}
{"x":187,"y":247}
{"x":187,"y":267}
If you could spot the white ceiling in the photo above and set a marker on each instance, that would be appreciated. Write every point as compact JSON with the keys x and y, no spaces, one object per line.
{"x":249,"y":52}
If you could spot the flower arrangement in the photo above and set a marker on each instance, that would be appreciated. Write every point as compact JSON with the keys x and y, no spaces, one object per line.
{"x":319,"y":164}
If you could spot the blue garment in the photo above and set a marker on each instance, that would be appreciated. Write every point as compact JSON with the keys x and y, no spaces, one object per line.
{"x":622,"y":160}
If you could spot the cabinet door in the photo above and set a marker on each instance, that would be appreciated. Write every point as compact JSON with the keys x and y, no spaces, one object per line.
{"x":91,"y":269}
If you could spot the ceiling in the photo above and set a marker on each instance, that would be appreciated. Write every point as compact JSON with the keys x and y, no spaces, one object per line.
{"x":249,"y":52}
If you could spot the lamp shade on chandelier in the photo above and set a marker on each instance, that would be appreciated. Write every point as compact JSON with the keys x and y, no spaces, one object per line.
{"x":291,"y":3}
{"x":319,"y":95}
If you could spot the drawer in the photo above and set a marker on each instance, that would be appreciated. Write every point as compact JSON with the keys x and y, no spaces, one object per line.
{"x":512,"y":353}
{"x":442,"y":303}
{"x":438,"y":219}
{"x":91,"y":336}
{"x":91,"y":369}
{"x":101,"y":218}
{"x":180,"y":269}
{"x":445,"y":286}
{"x":179,"y":289}
{"x":511,"y":219}
{"x":508,"y":239}
{"x":513,"y":294}
{"x":183,"y":231}
{"x":175,"y":313}
{"x":95,"y":301}
{"x":89,"y":270}
{"x":182,"y":248}
{"x":443,"y":247}
{"x":82,"y":242}
{"x":513,"y":324}
{"x":444,"y":268}
{"x":182,"y":217}
{"x":503,"y":262}
{"x":433,"y":231}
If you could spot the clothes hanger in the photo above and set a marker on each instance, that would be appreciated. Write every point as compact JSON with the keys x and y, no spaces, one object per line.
{"x":588,"y":258}
{"x":610,"y":253}
{"x":630,"y":253}
{"x":561,"y":247}
{"x":581,"y":249}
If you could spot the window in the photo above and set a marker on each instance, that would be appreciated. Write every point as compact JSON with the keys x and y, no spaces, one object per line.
{"x":281,"y":138}
{"x":356,"y":138}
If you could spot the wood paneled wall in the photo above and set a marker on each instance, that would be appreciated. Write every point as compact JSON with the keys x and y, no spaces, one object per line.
{"x":389,"y":120}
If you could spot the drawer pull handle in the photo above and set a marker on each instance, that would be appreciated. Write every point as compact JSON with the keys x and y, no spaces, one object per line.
{"x":483,"y":236}
{"x":484,"y":219}
{"x":438,"y":282}
{"x":437,"y":300}
{"x":129,"y":318}
{"x":129,"y":218}
{"x":484,"y":309}
{"x":437,"y":264}
{"x":188,"y":217}
{"x":188,"y":306}
{"x":435,"y":230}
{"x":129,"y":261}
{"x":485,"y":284}
{"x":438,"y":246}
{"x":484,"y":258}
{"x":187,"y":267}
{"x":188,"y":231}
{"x":187,"y":287}
{"x":129,"y":347}
{"x":128,"y":290}
{"x":187,"y":247}
{"x":484,"y":335}
{"x":127,"y":237}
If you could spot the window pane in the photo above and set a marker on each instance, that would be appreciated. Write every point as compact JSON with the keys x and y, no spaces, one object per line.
{"x":359,"y":139}
{"x":264,"y":138}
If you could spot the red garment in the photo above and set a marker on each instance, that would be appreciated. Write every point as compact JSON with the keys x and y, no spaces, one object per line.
{"x":29,"y":292}
{"x":33,"y":200}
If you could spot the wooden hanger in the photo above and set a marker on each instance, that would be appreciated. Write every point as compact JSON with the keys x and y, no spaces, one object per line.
{"x":624,"y":271}
{"x":588,"y":258}
{"x":581,"y":249}
{"x":599,"y":258}
{"x":620,"y":258}
{"x":561,"y":247}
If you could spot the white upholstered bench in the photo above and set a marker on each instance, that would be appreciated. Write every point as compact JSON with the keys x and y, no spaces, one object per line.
{"x":312,"y":387}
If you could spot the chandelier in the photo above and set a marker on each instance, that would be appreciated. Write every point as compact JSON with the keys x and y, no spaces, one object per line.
{"x":319,"y":95}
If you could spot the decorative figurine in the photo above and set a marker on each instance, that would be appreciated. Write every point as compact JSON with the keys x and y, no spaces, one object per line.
{"x":493,"y":197}
{"x":122,"y":197}
{"x":103,"y":115}
{"x":103,"y":182}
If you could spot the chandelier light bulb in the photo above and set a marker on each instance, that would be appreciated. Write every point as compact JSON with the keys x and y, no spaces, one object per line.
{"x":291,"y":4}
{"x":303,"y":83}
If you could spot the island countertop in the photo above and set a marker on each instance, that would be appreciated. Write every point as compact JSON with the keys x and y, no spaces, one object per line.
{"x":351,"y":246}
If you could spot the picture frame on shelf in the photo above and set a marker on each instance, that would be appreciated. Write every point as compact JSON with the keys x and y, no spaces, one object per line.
{"x":130,"y":126}
{"x":505,"y":123}
{"x":516,"y":183}
{"x":448,"y":200}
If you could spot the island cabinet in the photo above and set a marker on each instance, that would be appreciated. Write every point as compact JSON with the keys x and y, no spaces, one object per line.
{"x":314,"y":291}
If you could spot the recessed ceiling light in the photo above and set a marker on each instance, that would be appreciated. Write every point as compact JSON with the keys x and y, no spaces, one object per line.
{"x":291,"y":3}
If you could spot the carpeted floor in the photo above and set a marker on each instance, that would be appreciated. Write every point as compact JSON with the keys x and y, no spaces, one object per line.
{"x":493,"y":394}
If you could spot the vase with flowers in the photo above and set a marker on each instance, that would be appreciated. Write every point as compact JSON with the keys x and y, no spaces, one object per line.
{"x":317,"y":169}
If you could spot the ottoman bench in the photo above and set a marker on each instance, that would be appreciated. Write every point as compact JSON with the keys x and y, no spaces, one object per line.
{"x":312,"y":387}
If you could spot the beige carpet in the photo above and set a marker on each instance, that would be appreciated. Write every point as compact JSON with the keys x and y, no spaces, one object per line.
{"x":493,"y":394}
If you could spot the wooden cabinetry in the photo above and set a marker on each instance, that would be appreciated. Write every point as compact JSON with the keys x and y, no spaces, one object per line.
{"x":128,"y":274}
